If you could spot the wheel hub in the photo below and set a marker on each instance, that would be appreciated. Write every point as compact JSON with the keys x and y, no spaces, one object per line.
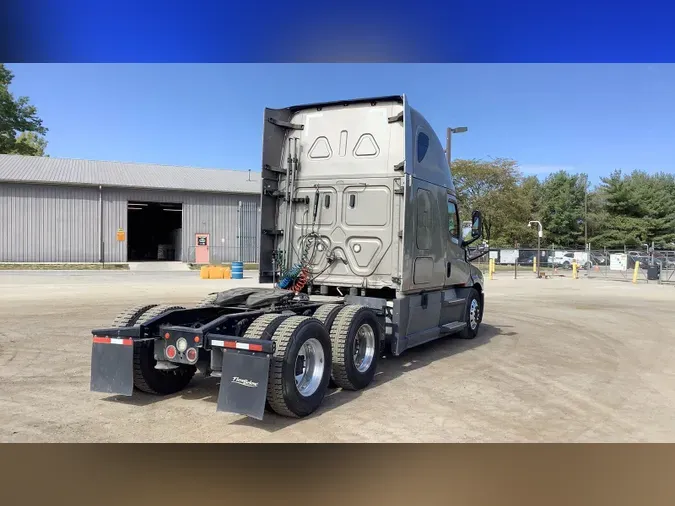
{"x":364,"y":348}
{"x":474,"y":314}
{"x":309,"y":367}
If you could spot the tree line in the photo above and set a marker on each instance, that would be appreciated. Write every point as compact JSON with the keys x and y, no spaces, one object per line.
{"x":623,"y":210}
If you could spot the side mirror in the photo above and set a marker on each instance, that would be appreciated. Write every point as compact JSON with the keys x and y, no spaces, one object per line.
{"x":476,"y":224}
{"x":476,"y":228}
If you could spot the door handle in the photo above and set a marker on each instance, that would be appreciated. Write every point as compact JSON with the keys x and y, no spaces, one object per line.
{"x":448,"y":270}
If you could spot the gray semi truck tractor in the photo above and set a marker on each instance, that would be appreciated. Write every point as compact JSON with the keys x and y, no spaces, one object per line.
{"x":361,"y":253}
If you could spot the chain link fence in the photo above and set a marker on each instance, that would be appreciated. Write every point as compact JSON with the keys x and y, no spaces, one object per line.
{"x":656,"y":266}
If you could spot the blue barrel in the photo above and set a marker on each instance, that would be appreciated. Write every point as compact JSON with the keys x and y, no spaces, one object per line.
{"x":237,"y":270}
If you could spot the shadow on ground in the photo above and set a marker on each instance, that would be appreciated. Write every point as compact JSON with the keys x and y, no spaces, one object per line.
{"x":389,"y":368}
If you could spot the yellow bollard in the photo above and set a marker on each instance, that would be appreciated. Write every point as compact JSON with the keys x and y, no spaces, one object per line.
{"x":574,"y":270}
{"x":534,"y":265}
{"x":636,"y":271}
{"x":204,"y":272}
{"x":491,"y":268}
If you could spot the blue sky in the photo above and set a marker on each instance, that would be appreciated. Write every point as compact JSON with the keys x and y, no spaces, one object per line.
{"x":583,"y":118}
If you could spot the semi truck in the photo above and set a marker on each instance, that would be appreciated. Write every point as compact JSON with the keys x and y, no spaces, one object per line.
{"x":361,"y":254}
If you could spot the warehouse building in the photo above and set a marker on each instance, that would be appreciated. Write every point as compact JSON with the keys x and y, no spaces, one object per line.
{"x":64,"y":210}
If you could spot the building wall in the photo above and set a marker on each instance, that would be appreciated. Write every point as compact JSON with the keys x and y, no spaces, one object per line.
{"x":48,"y":224}
{"x":40,"y":223}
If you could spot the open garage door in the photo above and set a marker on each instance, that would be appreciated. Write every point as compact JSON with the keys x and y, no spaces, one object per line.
{"x":154,"y":231}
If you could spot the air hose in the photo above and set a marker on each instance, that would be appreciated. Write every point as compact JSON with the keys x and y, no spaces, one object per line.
{"x":290,"y":276}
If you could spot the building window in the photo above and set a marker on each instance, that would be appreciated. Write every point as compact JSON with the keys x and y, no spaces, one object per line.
{"x":422,"y":146}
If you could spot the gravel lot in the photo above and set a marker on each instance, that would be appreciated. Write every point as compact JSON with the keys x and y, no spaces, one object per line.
{"x":557,"y":360}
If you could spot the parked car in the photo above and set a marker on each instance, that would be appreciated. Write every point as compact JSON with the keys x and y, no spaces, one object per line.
{"x":562,"y":259}
{"x":643,"y":257}
{"x":665,"y":258}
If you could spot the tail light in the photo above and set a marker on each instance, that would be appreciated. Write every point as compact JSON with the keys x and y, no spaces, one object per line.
{"x":170,"y":352}
{"x":191,"y":355}
{"x":181,"y":344}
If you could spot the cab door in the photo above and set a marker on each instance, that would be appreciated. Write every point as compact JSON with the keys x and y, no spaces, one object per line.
{"x":457,"y":269}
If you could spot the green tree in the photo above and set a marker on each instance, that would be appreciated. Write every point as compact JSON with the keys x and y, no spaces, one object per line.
{"x":30,"y":143}
{"x":656,"y":194}
{"x":531,"y":189}
{"x":493,"y":187}
{"x":562,"y":208}
{"x":637,"y":208}
{"x":619,"y":218}
{"x":597,"y":216}
{"x":21,"y":129}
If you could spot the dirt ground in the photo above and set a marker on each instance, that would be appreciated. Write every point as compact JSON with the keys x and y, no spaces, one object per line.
{"x":557,"y":360}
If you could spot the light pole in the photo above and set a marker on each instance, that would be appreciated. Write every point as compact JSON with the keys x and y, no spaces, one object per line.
{"x":586,"y":211}
{"x":538,"y":244}
{"x":448,"y":140}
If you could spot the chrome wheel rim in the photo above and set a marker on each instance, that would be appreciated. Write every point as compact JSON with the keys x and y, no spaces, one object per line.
{"x":364,"y":348}
{"x":309,"y":367}
{"x":474,"y":314}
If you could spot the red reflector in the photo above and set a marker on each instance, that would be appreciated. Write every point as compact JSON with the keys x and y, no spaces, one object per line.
{"x":170,"y":352}
{"x":238,"y":346}
{"x":113,"y":340}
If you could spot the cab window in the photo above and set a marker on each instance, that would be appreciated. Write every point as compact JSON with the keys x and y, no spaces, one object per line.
{"x":453,"y":221}
{"x":422,"y":146}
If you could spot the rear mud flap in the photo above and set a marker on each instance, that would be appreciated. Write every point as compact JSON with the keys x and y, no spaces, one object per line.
{"x":112,"y":366}
{"x":243,"y":383}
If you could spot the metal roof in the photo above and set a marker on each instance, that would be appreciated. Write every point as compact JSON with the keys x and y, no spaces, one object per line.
{"x":37,"y":169}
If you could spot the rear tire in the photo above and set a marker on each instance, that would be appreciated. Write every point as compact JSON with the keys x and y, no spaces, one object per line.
{"x":208,"y":300}
{"x":298,"y":391}
{"x":154,"y":381}
{"x":265,"y":326}
{"x":128,"y":318}
{"x":355,"y":338}
{"x":326,"y":314}
{"x":474,"y":315}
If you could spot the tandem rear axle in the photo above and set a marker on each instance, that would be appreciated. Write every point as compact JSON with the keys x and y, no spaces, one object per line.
{"x":266,"y":346}
{"x":270,"y":347}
